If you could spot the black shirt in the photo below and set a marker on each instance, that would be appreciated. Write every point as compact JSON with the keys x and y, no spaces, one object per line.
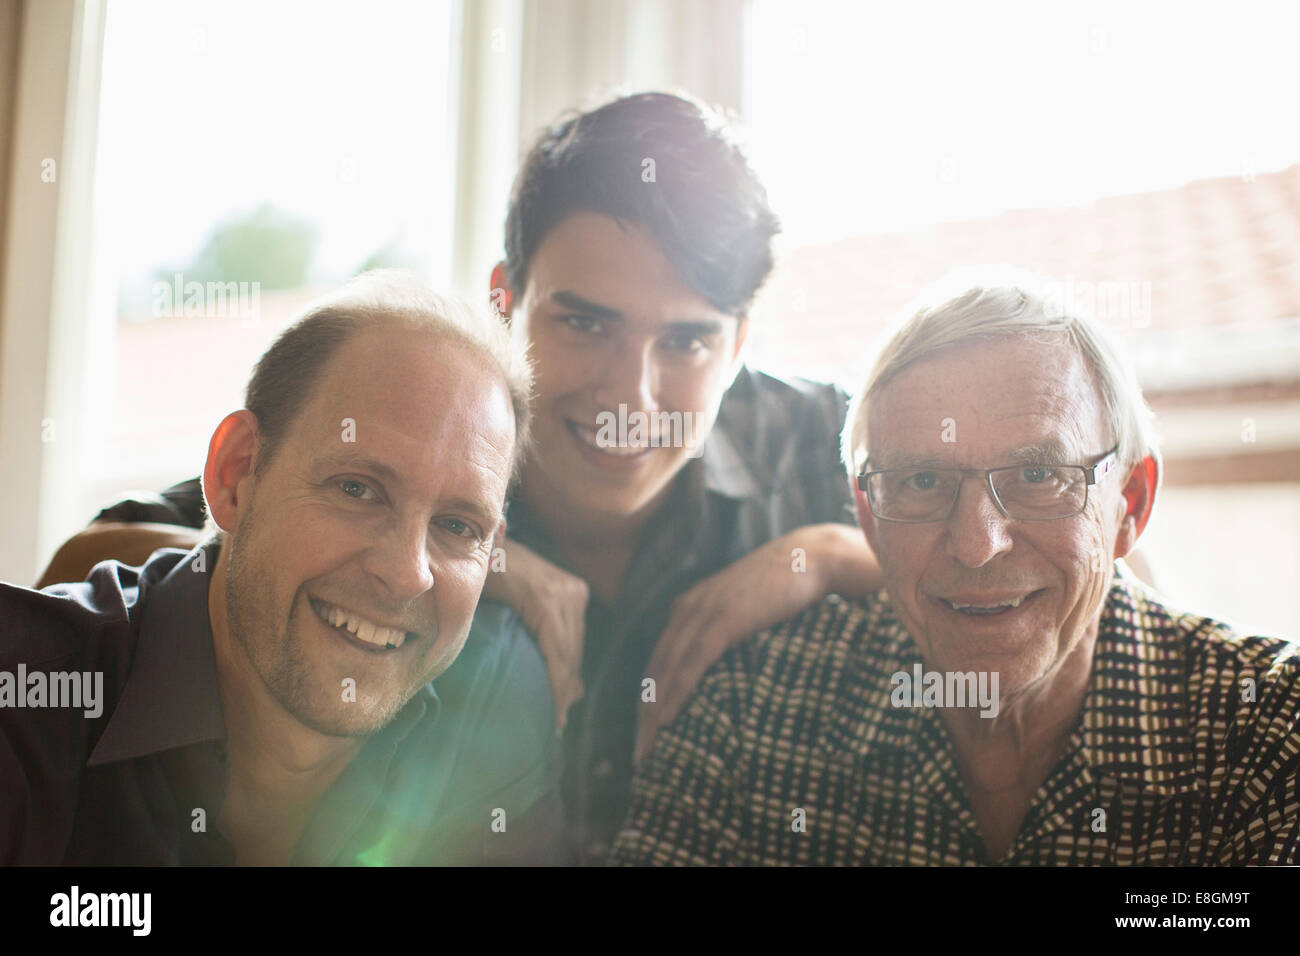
{"x":136,"y":772}
{"x":770,"y":465}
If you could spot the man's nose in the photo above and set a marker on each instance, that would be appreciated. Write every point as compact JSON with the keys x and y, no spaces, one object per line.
{"x":631,"y":378}
{"x":401,"y":562}
{"x":977,"y":528}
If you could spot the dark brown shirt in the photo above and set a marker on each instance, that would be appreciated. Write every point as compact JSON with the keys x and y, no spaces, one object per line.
{"x":142,"y":782}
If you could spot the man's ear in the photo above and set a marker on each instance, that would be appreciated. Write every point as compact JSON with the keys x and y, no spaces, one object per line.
{"x":228,"y":473}
{"x":502,"y":299}
{"x":1139,"y":496}
{"x":742,"y":333}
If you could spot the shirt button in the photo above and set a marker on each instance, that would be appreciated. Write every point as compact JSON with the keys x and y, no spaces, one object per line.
{"x":602,"y":769}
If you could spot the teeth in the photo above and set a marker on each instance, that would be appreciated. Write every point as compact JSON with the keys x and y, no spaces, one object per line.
{"x":987,"y":607}
{"x":588,"y":436}
{"x":368,"y":631}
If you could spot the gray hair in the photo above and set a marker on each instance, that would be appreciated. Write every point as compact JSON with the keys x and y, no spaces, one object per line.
{"x":286,"y":373}
{"x":988,"y":302}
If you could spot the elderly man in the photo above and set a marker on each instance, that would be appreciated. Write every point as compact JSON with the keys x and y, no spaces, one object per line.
{"x":266,"y":698}
{"x":1012,"y":696}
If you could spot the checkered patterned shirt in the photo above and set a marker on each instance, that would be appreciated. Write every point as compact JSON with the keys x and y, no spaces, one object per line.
{"x":1187,"y":742}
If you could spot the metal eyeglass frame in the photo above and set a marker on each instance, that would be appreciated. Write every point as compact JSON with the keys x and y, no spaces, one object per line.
{"x":1092,"y":474}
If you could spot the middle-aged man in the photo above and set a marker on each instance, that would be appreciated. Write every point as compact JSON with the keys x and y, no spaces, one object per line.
{"x":1013,"y":695}
{"x":266,"y":698}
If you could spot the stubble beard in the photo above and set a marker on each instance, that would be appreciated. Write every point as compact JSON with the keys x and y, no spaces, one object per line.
{"x":280,"y":661}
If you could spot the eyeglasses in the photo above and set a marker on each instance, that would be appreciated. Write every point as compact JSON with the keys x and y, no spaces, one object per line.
{"x":1029,"y":492}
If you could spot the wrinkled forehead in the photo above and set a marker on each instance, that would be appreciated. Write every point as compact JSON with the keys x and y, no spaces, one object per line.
{"x":987,"y":401}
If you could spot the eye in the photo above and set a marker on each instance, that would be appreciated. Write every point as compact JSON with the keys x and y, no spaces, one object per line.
{"x":357,"y":489}
{"x":1036,"y":474}
{"x":685,"y":344}
{"x":922,"y":481}
{"x":581,"y":323}
{"x":460,"y":529}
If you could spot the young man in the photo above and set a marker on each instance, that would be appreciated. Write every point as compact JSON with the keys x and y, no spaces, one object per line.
{"x":636,"y":239}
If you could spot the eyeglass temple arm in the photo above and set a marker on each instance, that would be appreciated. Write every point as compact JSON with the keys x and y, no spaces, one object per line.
{"x":1103,"y":467}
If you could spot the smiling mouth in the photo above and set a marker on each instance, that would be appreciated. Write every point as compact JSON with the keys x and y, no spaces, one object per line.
{"x":991,"y":608}
{"x":588,"y":436}
{"x":361,"y":628}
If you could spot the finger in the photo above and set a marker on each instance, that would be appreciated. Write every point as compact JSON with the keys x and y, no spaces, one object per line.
{"x":671,"y":640}
{"x":572,"y":695}
{"x":559,"y":669}
{"x":646,"y":729}
{"x":676,"y":645}
{"x":658,"y":714}
{"x":663,"y":649}
{"x":707,"y":642}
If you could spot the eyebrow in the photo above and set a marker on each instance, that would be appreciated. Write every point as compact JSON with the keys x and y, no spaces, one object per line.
{"x":359,"y":462}
{"x":571,"y":300}
{"x":699,"y":328}
{"x":1042,"y":453}
{"x":490,"y":515}
{"x":1037,"y":453}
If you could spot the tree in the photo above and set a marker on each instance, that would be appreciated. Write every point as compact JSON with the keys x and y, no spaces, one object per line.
{"x":266,"y":246}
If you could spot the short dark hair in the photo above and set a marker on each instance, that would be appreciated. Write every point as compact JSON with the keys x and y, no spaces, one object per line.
{"x":705,"y":207}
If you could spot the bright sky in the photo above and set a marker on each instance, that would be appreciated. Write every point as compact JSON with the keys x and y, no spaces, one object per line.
{"x":867,"y":117}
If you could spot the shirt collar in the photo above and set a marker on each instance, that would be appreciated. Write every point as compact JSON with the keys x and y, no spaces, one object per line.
{"x":727,"y":471}
{"x":171,"y":697}
{"x":1134,"y":723}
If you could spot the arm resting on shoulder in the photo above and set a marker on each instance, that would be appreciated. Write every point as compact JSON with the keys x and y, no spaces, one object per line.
{"x":130,"y":543}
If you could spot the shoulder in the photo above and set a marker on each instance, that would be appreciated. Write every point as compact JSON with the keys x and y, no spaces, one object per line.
{"x":782,"y":400}
{"x":62,"y":621}
{"x":1253,"y":678}
{"x":181,"y":504}
{"x":1220,"y":657}
{"x":499,"y":660}
{"x":792,"y":675}
{"x":91,"y":627}
{"x":497,"y":691}
{"x":1242,"y":690}
{"x":784,"y":434}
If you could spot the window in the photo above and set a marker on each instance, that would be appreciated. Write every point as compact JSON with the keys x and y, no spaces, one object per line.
{"x":1142,"y":153}
{"x":251,"y":156}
